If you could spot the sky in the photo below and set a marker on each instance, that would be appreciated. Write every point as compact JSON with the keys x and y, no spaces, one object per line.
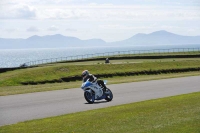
{"x":110,"y":20}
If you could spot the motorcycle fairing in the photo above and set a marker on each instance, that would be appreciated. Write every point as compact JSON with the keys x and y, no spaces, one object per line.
{"x":95,"y":87}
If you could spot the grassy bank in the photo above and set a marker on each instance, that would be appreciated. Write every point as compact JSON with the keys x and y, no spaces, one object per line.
{"x":21,"y":89}
{"x":57,"y":72}
{"x":119,"y":71}
{"x":167,"y":115}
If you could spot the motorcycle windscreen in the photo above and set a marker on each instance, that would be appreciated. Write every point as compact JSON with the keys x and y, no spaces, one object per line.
{"x":105,"y":82}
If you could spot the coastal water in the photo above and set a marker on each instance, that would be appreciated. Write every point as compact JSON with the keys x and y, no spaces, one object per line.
{"x":16,"y":57}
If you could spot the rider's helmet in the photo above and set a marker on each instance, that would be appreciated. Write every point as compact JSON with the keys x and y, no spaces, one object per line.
{"x":85,"y":73}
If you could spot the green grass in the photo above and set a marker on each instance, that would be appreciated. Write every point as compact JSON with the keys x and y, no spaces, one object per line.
{"x":122,"y":61}
{"x":21,"y":89}
{"x":10,"y":82}
{"x":177,"y":114}
{"x":56,"y":72}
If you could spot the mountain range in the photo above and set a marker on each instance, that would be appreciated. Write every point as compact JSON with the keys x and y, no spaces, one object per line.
{"x":55,"y":41}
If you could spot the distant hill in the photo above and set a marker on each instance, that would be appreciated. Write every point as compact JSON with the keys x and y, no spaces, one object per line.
{"x":55,"y":41}
{"x":49,"y":41}
{"x":159,"y":38}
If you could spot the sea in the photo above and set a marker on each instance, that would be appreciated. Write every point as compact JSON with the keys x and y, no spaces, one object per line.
{"x":15,"y":57}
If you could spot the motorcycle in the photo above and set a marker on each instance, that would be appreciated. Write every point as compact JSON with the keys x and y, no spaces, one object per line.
{"x":92,"y":92}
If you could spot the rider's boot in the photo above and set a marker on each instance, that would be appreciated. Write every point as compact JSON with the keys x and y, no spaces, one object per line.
{"x":104,"y":89}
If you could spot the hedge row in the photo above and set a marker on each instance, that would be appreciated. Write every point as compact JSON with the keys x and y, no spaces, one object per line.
{"x":150,"y":72}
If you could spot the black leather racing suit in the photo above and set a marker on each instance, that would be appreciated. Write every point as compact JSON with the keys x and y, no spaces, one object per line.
{"x":92,"y":78}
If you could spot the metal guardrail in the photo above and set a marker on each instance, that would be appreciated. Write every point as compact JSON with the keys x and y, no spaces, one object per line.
{"x":107,"y":54}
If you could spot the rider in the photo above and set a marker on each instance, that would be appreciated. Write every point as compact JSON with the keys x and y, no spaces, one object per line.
{"x":87,"y":76}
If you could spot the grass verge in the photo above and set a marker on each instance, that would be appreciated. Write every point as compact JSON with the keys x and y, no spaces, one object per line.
{"x":12,"y":90}
{"x":177,"y":114}
{"x":57,"y":72}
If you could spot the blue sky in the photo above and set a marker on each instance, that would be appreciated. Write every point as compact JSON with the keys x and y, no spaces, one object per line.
{"x":110,"y":20}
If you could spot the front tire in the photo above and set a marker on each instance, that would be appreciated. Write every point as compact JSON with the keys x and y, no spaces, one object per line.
{"x":109,"y":95}
{"x":89,"y":97}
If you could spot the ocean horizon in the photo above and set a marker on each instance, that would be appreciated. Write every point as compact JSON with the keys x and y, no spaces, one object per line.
{"x":16,"y":57}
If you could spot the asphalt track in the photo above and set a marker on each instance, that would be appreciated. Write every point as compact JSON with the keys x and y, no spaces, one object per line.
{"x":18,"y":108}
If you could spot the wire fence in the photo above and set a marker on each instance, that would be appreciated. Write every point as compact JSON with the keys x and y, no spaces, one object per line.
{"x":108,"y":54}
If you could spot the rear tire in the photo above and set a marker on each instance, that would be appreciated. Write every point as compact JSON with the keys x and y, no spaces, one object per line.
{"x":89,"y":97}
{"x":109,"y":95}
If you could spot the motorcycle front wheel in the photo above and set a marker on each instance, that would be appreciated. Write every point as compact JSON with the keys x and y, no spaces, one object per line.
{"x":109,"y":95}
{"x":89,"y":97}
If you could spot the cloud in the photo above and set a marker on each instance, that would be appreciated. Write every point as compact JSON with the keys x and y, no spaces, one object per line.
{"x":71,"y":30}
{"x":52,"y":28}
{"x":114,"y":26}
{"x":10,"y":30}
{"x":25,"y":11}
{"x":125,"y":27}
{"x":96,"y":12}
{"x":118,"y":12}
{"x":32,"y":29}
{"x":19,"y":11}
